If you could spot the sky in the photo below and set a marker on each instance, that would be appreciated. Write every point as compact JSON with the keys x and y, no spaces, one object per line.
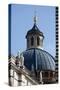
{"x":22,"y":21}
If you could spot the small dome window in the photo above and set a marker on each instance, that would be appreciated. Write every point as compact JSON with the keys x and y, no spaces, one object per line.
{"x":32,"y":41}
{"x":46,"y":74}
{"x":38,"y":41}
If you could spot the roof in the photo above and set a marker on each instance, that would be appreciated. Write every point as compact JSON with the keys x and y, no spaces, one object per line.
{"x":34,"y":30}
{"x":40,"y":59}
{"x":24,"y":71}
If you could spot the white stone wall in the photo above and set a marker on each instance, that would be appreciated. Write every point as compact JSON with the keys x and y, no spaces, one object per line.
{"x":15,"y":77}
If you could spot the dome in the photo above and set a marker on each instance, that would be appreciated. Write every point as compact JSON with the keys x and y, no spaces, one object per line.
{"x":40,"y":59}
{"x":34,"y":31}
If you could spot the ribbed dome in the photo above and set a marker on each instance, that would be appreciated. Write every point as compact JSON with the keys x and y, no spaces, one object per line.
{"x":34,"y":31}
{"x":40,"y":59}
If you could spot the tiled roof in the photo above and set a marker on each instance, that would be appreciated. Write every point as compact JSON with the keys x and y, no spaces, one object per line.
{"x":34,"y":31}
{"x":40,"y":59}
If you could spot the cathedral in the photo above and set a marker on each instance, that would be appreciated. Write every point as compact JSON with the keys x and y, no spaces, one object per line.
{"x":33,"y":66}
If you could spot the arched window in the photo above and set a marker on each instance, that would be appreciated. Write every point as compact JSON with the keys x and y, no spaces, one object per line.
{"x":41,"y":42}
{"x":46,"y":74}
{"x":32,"y":41}
{"x":51,"y":74}
{"x":38,"y":41}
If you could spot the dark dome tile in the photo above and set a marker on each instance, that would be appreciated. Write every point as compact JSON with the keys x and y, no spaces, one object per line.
{"x":40,"y":59}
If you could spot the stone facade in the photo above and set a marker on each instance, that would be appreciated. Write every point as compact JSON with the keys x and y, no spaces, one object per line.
{"x":35,"y":44}
{"x":18,"y":75}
